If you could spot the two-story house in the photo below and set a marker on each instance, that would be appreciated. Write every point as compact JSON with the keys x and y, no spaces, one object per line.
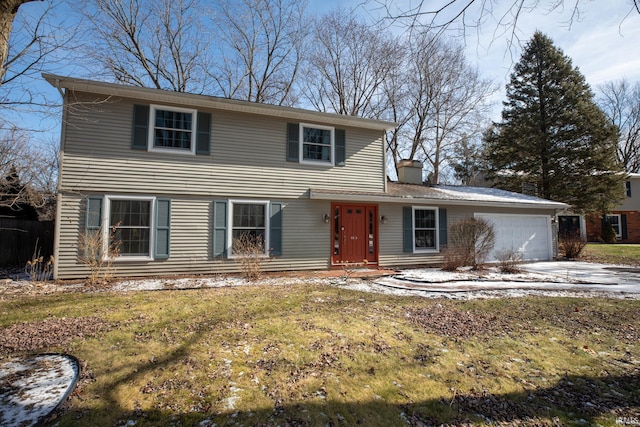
{"x":625,"y":218}
{"x":176,"y":178}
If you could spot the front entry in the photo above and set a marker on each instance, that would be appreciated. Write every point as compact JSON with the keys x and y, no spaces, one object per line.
{"x":355,"y":234}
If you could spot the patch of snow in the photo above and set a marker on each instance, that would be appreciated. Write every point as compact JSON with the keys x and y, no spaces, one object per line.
{"x":33,"y":387}
{"x":490,"y":195}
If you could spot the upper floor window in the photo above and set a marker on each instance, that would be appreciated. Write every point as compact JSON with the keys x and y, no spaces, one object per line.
{"x":316,"y":143}
{"x":173,"y":129}
{"x":627,"y":186}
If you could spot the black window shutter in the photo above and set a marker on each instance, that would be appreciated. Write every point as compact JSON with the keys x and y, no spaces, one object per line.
{"x":140,"y":136}
{"x":162,"y":229}
{"x":341,"y":147}
{"x":407,"y":229}
{"x":220,"y":228}
{"x":442,"y":224}
{"x":623,"y":226}
{"x":293,"y":142}
{"x":203,"y":137}
{"x":275,"y":229}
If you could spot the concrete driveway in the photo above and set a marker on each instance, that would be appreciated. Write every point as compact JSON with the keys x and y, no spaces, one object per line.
{"x":609,"y":277}
{"x":545,"y":278}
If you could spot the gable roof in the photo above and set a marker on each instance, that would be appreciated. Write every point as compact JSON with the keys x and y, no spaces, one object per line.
{"x":443,"y":194}
{"x":211,"y":102}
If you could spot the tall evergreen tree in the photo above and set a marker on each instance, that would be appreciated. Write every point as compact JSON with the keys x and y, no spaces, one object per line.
{"x":553,"y":136}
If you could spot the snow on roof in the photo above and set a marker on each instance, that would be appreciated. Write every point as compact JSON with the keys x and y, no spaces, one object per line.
{"x":443,"y":194}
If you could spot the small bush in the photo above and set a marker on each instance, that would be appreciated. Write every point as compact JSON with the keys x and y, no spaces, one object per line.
{"x":250,"y":254}
{"x":92,"y":254}
{"x":453,"y":259}
{"x":472,"y":239}
{"x":572,"y":244}
{"x":608,"y":233}
{"x":37,"y":268}
{"x":509,"y":261}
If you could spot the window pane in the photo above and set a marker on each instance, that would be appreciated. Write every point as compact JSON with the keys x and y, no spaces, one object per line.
{"x":130,"y":213}
{"x":173,"y":129}
{"x":248,"y":215}
{"x":425,"y":239}
{"x":173,"y":119}
{"x":425,"y":218}
{"x":130,"y":242}
{"x":316,"y":152}
{"x":317,"y":136}
{"x":129,"y":222}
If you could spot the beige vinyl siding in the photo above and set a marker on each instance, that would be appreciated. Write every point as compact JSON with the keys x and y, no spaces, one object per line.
{"x":631,"y":203}
{"x":248,"y":158}
{"x":306,"y":240}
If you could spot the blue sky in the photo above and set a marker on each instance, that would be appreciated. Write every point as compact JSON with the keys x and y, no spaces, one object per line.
{"x":604,"y":43}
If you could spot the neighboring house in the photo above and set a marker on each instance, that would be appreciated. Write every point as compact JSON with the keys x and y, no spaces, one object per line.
{"x":625,"y":218}
{"x":178,"y":177}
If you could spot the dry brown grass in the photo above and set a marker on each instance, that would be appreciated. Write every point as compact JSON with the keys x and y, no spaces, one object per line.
{"x":318,"y":355}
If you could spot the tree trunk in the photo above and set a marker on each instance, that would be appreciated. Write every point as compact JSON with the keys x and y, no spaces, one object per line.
{"x":8,"y":10}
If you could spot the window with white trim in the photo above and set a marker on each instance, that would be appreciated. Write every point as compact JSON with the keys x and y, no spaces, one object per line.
{"x":317,"y":144}
{"x":130,"y":223}
{"x":425,"y":229}
{"x":616,"y":223}
{"x":172,"y":129}
{"x":249,"y":225}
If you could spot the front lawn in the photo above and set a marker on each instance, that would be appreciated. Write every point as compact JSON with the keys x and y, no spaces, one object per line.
{"x":612,"y":254}
{"x":320,"y":355}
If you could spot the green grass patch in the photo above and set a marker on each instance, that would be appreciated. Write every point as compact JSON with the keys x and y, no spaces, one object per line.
{"x":317,"y":355}
{"x":612,"y":254}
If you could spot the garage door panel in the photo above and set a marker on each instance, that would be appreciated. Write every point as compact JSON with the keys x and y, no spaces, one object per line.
{"x":528,"y":234}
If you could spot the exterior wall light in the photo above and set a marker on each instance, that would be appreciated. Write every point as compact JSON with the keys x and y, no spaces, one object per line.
{"x":383,"y":219}
{"x":326,"y":218}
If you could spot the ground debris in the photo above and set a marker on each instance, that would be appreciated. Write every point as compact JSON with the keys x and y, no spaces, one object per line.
{"x":35,"y":336}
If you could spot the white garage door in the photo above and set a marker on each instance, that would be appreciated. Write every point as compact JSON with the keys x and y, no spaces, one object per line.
{"x":528,"y":234}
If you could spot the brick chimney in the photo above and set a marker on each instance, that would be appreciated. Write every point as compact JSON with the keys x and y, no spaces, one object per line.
{"x":410,"y":172}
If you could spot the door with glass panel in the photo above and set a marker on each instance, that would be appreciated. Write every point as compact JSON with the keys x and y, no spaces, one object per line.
{"x":354,"y":233}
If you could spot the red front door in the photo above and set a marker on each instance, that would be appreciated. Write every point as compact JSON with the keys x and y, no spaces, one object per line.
{"x":354,"y":231}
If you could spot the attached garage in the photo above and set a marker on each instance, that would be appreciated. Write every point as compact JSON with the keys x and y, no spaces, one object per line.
{"x":528,"y":234}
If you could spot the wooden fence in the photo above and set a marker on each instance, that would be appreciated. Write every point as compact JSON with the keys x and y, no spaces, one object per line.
{"x":20,"y":239}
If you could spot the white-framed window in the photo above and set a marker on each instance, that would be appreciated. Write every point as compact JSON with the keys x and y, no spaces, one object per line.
{"x":248,"y":225}
{"x":425,"y":229}
{"x":317,"y":144}
{"x":172,"y":129}
{"x":616,"y":223}
{"x":130,"y":222}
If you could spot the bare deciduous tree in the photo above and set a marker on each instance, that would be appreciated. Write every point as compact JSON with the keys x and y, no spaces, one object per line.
{"x":32,"y":169}
{"x":447,"y":102}
{"x":260,"y":49}
{"x":150,"y":44}
{"x":621,"y":103}
{"x":348,"y":65}
{"x":29,"y":36}
{"x":473,"y":14}
{"x":8,"y":12}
